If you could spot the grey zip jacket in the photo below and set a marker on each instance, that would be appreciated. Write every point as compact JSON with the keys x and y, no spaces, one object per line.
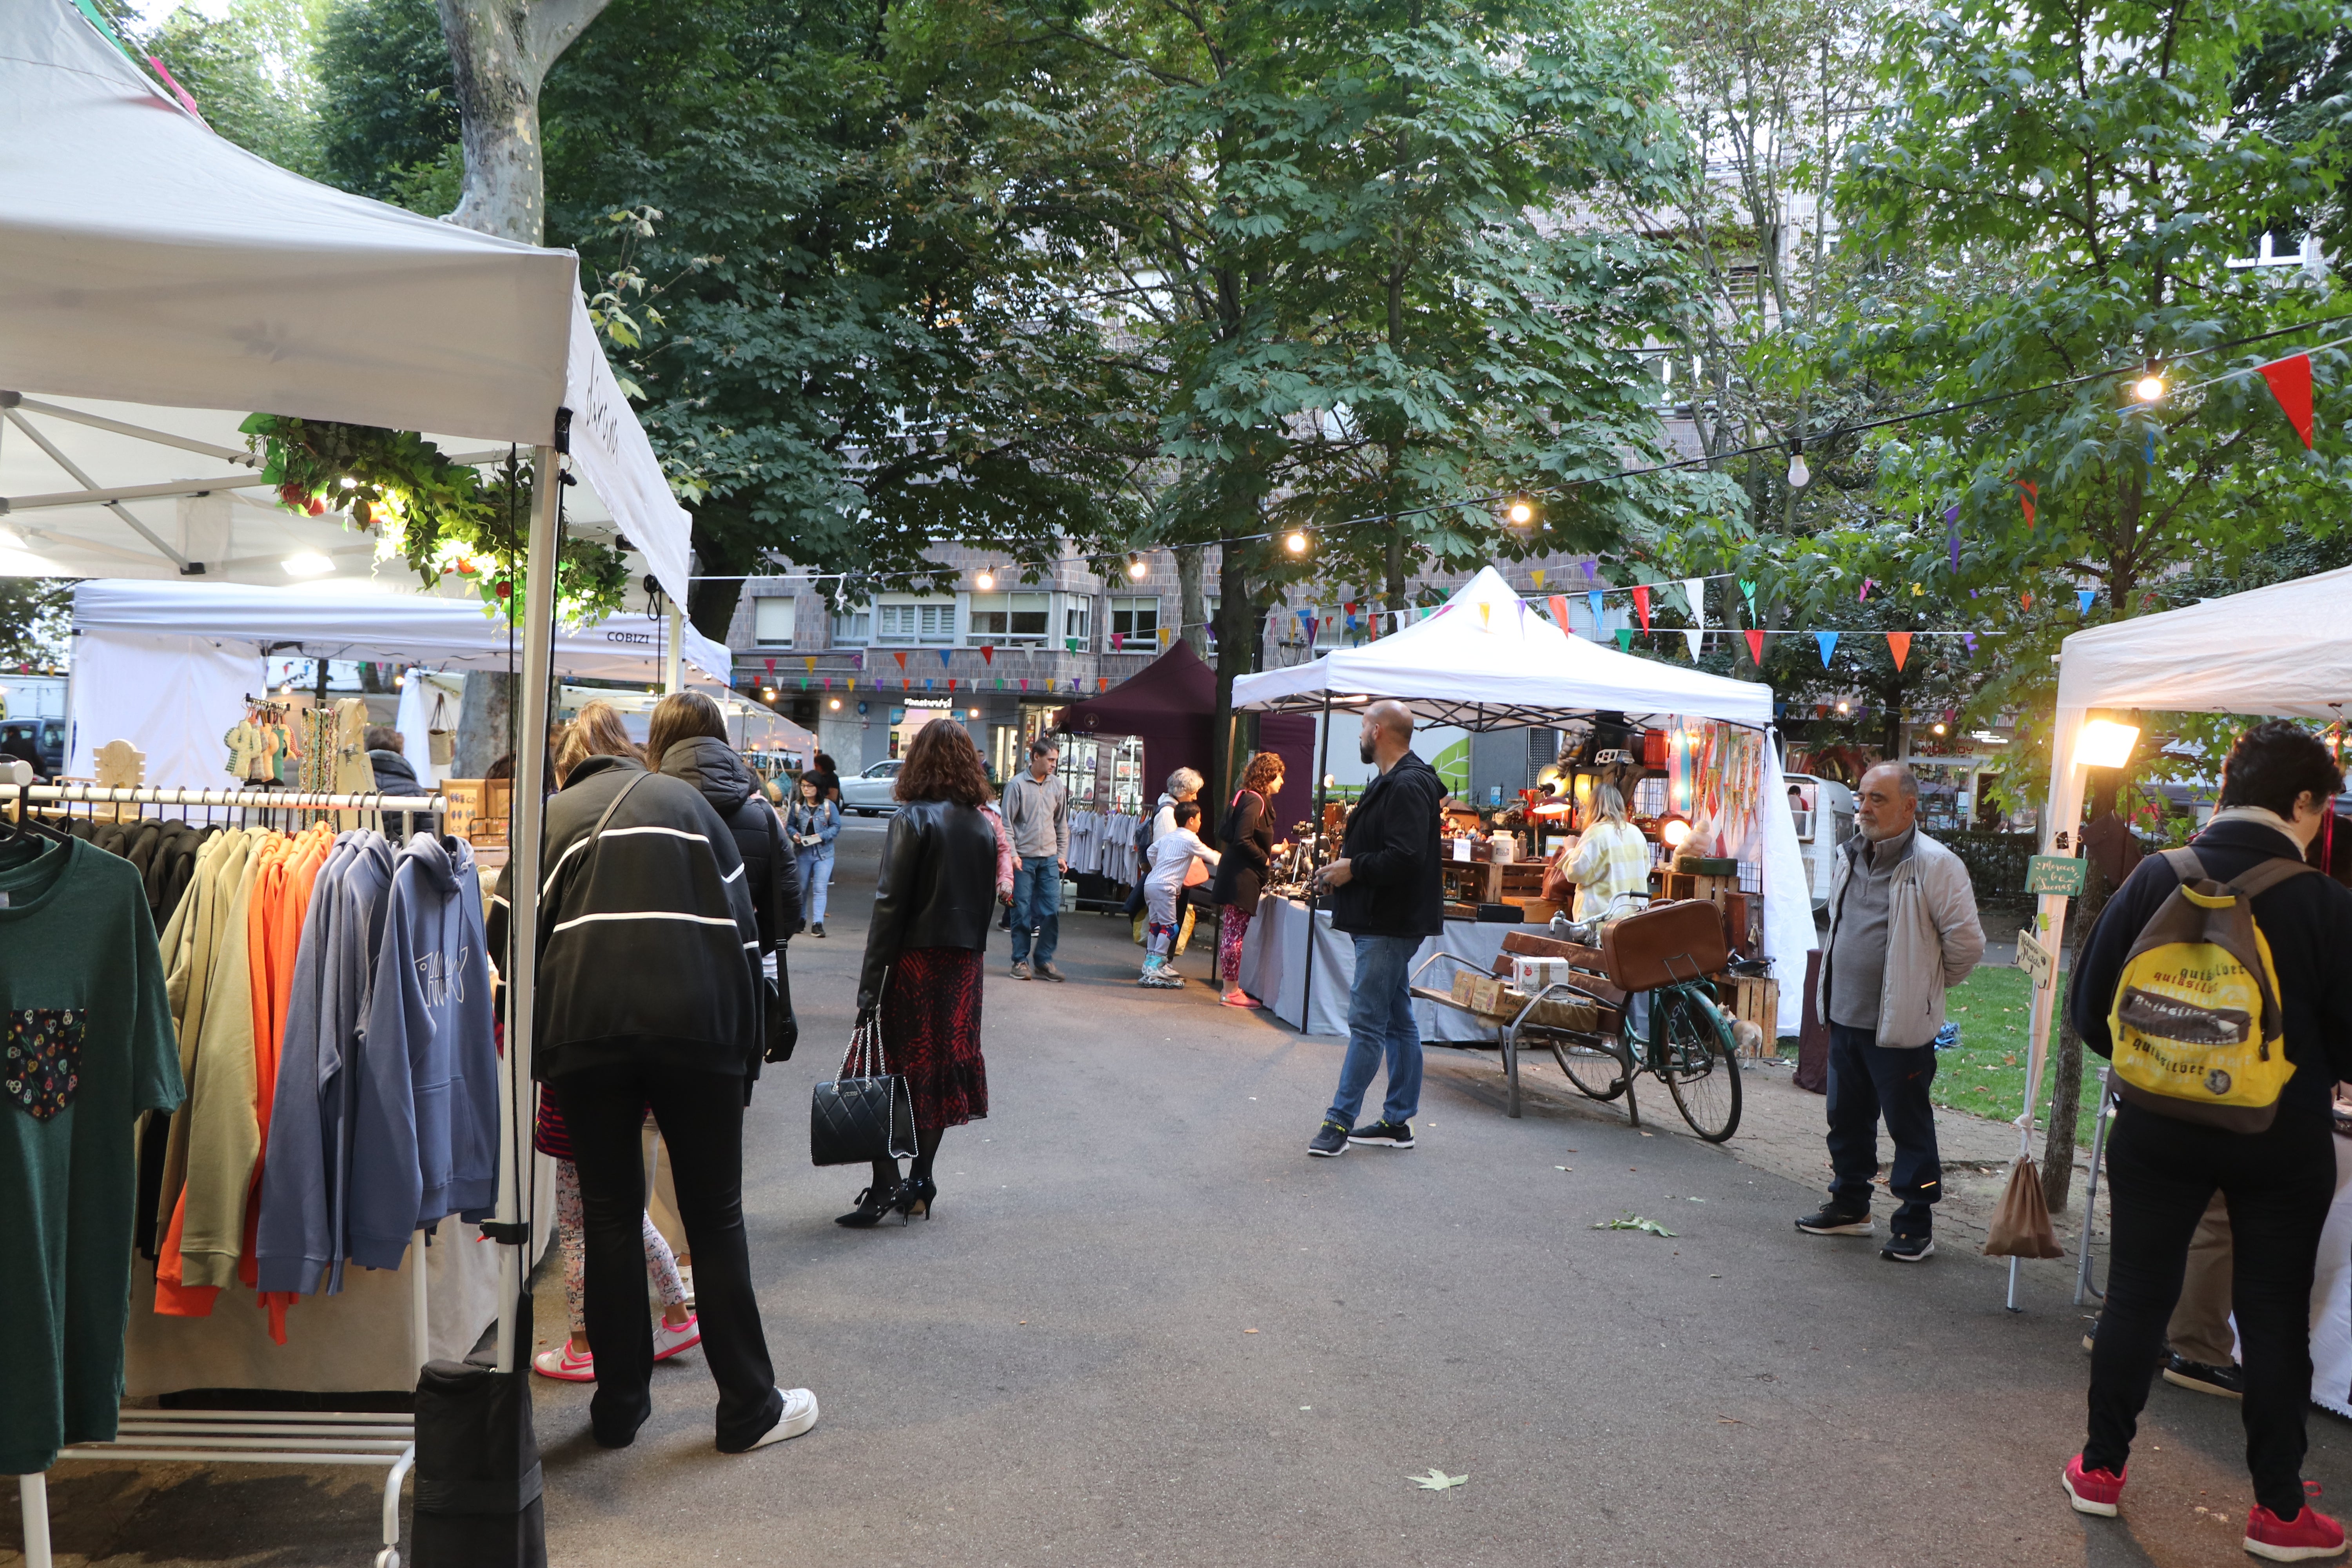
{"x":1933,"y":939}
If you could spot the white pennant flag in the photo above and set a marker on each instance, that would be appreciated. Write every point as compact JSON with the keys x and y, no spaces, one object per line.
{"x":1695,"y":591}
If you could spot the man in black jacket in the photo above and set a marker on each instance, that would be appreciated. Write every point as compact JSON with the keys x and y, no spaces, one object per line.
{"x":1384,"y":894}
{"x":2276,"y":786}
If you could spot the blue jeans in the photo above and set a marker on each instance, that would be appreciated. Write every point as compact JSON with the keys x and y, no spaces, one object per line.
{"x":1380,"y":1028}
{"x":816,"y":871}
{"x":1868,"y":1080}
{"x":1036,"y":908}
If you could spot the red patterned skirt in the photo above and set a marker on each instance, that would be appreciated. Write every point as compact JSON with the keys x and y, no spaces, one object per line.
{"x":931,"y":1032}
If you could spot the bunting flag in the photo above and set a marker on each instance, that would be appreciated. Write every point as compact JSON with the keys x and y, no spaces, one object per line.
{"x":1900,"y":644}
{"x":2028,"y":497}
{"x":1117,"y":642}
{"x":1755,"y":647}
{"x":1024,"y":683}
{"x":1829,"y":646}
{"x":1917,"y":591}
{"x":2083,"y":598}
{"x":1593,"y":599}
{"x":828,"y":683}
{"x":943,"y":658}
{"x":1307,"y":625}
{"x":1163,"y":637}
{"x":987,"y":653}
{"x":1969,"y":639}
{"x":1867,"y":585}
{"x":1591,"y":569}
{"x":1538,"y":577}
{"x":1486,"y":614}
{"x":1102,"y":683}
{"x":1952,"y":533}
{"x":810,"y":664}
{"x":927,"y":683}
{"x":1642,"y":603}
{"x":1695,"y":596}
{"x":1748,"y":592}
{"x":951,"y":683}
{"x":1558,"y":602}
{"x":2026,"y":600}
{"x":2290,"y":380}
{"x":901,"y":657}
{"x":1624,"y":639}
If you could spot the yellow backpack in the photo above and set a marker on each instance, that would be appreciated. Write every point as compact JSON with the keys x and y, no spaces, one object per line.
{"x":2196,"y":1018}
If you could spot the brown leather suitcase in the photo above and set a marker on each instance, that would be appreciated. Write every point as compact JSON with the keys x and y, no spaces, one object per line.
{"x":1665,"y":943}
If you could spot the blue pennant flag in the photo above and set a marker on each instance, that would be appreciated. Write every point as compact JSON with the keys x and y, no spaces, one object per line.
{"x":1594,"y":598}
{"x":2083,"y":598}
{"x":1829,"y":646}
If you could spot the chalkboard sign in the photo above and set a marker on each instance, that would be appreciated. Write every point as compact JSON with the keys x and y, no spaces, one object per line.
{"x":2059,"y":874}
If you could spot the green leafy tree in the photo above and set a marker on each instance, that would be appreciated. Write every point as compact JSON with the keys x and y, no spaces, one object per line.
{"x":388,"y":125}
{"x":34,"y":619}
{"x":250,"y":71}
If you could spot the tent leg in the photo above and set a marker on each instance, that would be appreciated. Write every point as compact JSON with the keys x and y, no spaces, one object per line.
{"x":673,"y":659}
{"x":2083,"y":1286}
{"x":33,"y":1492}
{"x":1314,"y":894}
{"x":2012,"y":1287}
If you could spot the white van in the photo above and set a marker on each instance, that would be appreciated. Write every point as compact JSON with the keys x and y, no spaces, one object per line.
{"x":1824,"y":814}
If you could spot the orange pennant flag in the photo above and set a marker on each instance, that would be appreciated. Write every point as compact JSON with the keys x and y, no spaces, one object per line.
{"x":1755,"y":647}
{"x":1900,"y":644}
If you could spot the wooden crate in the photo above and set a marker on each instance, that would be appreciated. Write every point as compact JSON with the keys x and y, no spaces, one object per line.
{"x":1759,"y":1002}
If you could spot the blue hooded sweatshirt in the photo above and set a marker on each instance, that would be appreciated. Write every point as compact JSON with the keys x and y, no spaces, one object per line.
{"x":425,"y":1117}
{"x":303,"y":1199}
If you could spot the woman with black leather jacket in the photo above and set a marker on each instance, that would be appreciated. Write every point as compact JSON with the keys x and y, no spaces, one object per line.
{"x":932,"y":900}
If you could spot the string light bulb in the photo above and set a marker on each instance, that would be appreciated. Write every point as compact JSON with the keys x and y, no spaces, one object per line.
{"x":1800,"y":476}
{"x":834,"y":704}
{"x":1843,"y":706}
{"x":1520,"y":512}
{"x":985,"y":581}
{"x":1137,"y":568}
{"x":1938,"y":729}
{"x":2149,"y":388}
{"x":1295,"y":541}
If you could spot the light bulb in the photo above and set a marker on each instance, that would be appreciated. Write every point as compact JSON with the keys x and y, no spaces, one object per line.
{"x":400,"y":680}
{"x":1800,"y":476}
{"x":1939,"y":728}
{"x":971,"y":712}
{"x":2149,"y":388}
{"x":1521,"y":513}
{"x":1843,"y":707}
{"x":767,"y":694}
{"x":1295,"y":541}
{"x":834,"y":705}
{"x":986,"y":580}
{"x":1137,"y":569}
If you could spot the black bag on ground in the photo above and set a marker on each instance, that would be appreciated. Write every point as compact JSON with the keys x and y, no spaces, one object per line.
{"x":478,"y":1475}
{"x":866,"y":1113}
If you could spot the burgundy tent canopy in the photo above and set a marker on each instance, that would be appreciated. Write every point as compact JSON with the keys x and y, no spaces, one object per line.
{"x":1170,"y":705}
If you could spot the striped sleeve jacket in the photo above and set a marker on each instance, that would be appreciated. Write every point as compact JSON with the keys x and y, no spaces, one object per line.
{"x":648,"y":942}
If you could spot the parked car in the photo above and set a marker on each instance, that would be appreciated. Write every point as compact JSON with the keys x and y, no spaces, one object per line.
{"x":869,"y":794}
{"x":41,"y":742}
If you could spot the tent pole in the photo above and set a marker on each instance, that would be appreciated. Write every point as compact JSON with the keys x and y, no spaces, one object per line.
{"x":1322,"y":771}
{"x":673,"y":658}
{"x":2064,"y":807}
{"x":523,"y":840}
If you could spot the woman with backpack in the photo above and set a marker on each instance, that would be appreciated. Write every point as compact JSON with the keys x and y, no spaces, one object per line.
{"x":2188,"y":1125}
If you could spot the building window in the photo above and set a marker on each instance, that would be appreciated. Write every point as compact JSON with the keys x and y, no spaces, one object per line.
{"x":930,"y":622}
{"x":1077,"y":623}
{"x":1011,"y":618}
{"x":853,"y":627}
{"x":1135,"y":619}
{"x":771,"y":622}
{"x":1209,"y":601}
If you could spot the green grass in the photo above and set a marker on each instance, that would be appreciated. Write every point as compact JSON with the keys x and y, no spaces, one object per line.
{"x":1985,"y":1076}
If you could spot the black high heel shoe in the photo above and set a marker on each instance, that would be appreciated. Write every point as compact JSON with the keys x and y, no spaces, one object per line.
{"x":872,"y":1204}
{"x":916,"y":1196}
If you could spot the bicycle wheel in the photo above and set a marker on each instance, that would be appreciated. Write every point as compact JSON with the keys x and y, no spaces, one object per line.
{"x":1695,"y":1059}
{"x":1595,"y":1070}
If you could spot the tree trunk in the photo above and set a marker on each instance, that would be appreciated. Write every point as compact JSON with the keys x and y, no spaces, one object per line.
{"x":499,"y":52}
{"x":486,"y":716}
{"x":2066,"y":1089}
{"x":1236,"y":642}
{"x":1192,"y":604}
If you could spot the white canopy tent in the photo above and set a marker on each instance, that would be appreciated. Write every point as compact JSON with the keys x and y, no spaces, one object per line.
{"x":146,"y":263}
{"x":166,"y":666}
{"x":1487,"y":661}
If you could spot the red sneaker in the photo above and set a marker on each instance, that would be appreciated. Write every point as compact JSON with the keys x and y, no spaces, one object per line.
{"x":2308,"y":1534}
{"x":2093,"y":1491}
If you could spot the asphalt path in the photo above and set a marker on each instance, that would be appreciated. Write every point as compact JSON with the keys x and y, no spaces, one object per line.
{"x":1145,"y":1328}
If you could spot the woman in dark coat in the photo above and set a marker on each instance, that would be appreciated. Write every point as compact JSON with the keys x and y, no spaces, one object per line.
{"x":924,"y":953}
{"x":1248,"y":837}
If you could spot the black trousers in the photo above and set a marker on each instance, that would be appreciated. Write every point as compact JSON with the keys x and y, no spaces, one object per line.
{"x":1868,"y":1082}
{"x":700,"y":1115}
{"x":2160,"y":1175}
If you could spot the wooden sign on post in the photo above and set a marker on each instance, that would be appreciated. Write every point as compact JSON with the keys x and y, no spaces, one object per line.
{"x":2034,"y":959}
{"x":2060,"y":875}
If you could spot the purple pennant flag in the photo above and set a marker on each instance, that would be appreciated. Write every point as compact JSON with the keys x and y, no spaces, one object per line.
{"x":1591,"y":567}
{"x":1952,"y":533}
{"x":1971,"y":638}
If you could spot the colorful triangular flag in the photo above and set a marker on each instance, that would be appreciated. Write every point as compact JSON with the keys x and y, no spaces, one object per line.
{"x":1624,"y":639}
{"x":1829,"y":646}
{"x":987,"y":653}
{"x":1952,"y":533}
{"x":901,"y":657}
{"x":1593,"y":599}
{"x":2290,"y":380}
{"x":2029,"y":498}
{"x":2083,"y":598}
{"x":1538,"y":577}
{"x":1900,"y":644}
{"x":1642,"y":603}
{"x":1755,"y":647}
{"x":1558,"y":602}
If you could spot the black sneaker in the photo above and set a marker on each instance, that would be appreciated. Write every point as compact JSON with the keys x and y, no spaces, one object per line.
{"x":817,"y":930}
{"x":2091,"y":1336}
{"x":1831,"y":1220}
{"x":1330,"y":1140}
{"x":1387,"y":1134}
{"x":2229,"y":1381}
{"x":1908,"y":1248}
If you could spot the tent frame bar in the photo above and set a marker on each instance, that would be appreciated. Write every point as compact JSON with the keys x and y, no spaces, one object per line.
{"x":48,"y":446}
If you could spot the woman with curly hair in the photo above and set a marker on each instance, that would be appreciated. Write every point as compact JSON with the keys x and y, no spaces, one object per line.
{"x":924,"y":948}
{"x":1248,"y":834}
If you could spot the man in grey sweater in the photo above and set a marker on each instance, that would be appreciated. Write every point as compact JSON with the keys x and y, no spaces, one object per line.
{"x":1903,"y":931}
{"x":1037,"y":815}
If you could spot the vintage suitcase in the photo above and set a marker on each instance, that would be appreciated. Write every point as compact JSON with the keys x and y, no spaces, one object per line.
{"x":1663,"y":943}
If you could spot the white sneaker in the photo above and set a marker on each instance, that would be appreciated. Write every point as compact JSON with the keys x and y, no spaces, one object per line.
{"x":669,"y":1340}
{"x":686,"y":1280}
{"x":564,"y":1362}
{"x":800,"y":1414}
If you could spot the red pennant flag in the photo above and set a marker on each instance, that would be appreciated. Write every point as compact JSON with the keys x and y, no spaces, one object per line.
{"x":901,"y":657}
{"x":2025,"y":601}
{"x":1558,"y":602}
{"x":1755,"y":647}
{"x":1900,"y":644}
{"x":2290,"y":380}
{"x":771,"y":668}
{"x":950,"y":683}
{"x":1641,"y":605}
{"x":2031,"y":496}
{"x":987,"y":653}
{"x":1102,"y":683}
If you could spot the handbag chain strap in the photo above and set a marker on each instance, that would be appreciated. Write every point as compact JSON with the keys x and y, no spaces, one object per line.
{"x":865,"y":1044}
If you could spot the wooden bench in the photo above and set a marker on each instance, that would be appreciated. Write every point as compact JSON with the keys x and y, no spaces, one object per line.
{"x":1592,"y":983}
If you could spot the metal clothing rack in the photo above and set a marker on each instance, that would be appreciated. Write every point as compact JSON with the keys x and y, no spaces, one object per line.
{"x":245,"y":1436}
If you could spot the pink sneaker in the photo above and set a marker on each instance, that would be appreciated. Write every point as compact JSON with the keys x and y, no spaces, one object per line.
{"x":2308,"y":1534}
{"x":669,"y":1342}
{"x":2093,"y":1492}
{"x":564,"y":1363}
{"x":1239,"y":999}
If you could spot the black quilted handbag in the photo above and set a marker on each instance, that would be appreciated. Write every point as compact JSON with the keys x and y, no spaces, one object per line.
{"x":866,"y":1113}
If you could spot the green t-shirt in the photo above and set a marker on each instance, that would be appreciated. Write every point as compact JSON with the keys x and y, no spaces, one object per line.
{"x":85,"y":1045}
